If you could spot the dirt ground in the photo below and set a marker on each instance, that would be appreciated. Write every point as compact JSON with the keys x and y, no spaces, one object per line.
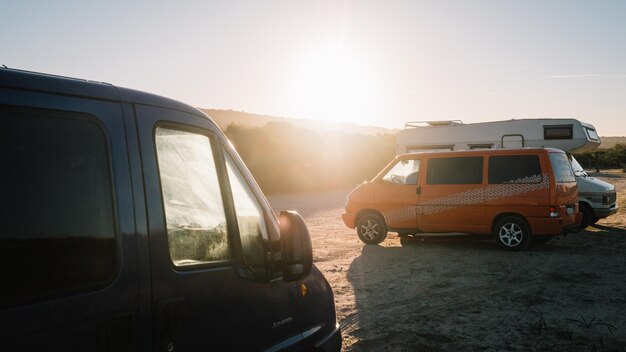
{"x":459,"y":294}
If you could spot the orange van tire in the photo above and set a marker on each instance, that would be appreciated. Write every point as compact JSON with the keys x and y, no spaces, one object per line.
{"x":512,"y":233}
{"x":371,"y":228}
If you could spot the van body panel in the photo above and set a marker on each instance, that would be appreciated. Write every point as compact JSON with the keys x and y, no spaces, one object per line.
{"x":147,"y":302}
{"x":600,"y":196}
{"x":316,"y":324}
{"x":474,"y":205}
{"x":441,"y":203}
{"x":397,"y":203}
{"x":80,"y":316}
{"x":360,"y":198}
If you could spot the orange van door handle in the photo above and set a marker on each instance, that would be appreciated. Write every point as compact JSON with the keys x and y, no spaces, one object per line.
{"x":418,"y":190}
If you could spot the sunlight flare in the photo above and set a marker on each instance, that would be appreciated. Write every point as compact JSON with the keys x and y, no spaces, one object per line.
{"x":336,"y":86}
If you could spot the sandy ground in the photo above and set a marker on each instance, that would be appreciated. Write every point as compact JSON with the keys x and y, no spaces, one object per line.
{"x":458,"y":294}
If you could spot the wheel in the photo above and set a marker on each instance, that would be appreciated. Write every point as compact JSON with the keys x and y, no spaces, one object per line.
{"x":371,"y":228}
{"x":594,"y":220}
{"x":511,"y":233}
{"x":587,"y":216}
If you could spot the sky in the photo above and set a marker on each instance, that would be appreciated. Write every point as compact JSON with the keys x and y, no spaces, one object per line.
{"x":379,"y":63}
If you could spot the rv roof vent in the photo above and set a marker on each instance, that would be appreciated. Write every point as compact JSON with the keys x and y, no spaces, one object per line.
{"x":414,"y":124}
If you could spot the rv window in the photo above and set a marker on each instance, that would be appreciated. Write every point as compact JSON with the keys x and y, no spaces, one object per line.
{"x":480,"y":146}
{"x":593,"y":135}
{"x":456,"y":170}
{"x":557,"y":132}
{"x":429,"y":148}
{"x":514,"y":169}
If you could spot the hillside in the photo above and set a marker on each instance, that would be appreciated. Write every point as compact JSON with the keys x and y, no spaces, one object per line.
{"x":610,"y":142}
{"x":224,"y":118}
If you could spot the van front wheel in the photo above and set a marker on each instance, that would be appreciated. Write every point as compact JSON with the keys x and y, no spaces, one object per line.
{"x":511,"y":233}
{"x":371,"y":228}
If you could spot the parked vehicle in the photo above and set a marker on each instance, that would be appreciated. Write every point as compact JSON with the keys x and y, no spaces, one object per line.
{"x":598,"y":199}
{"x":129,"y":223}
{"x":515,"y":195}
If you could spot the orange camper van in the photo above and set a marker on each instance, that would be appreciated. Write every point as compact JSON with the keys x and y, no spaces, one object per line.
{"x":515,"y":195}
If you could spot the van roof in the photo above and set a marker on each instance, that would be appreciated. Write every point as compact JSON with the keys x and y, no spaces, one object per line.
{"x":477,"y":151}
{"x":42,"y":82}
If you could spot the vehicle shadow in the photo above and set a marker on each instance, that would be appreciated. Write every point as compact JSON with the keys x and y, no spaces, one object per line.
{"x":605,"y":228}
{"x":456,"y":242}
{"x":418,"y":295}
{"x":393,"y":285}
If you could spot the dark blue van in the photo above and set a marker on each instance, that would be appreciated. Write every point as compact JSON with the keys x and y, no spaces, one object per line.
{"x":129,"y":223}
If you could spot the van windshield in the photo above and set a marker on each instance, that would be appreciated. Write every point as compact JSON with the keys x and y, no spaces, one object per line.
{"x":562,"y":169}
{"x":578,"y":170}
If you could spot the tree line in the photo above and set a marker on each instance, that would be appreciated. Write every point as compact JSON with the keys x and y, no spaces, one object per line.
{"x":610,"y":158}
{"x":284,"y":158}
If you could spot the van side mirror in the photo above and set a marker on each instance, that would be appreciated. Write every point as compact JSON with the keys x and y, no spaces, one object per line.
{"x":297,"y":251}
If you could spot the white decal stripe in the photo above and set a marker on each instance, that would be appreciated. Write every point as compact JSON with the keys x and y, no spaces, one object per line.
{"x":471,"y":197}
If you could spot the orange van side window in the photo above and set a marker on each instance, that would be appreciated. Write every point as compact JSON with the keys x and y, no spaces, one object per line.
{"x":455,"y":170}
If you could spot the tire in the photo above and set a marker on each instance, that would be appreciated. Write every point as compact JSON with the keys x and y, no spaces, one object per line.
{"x":587,"y":216}
{"x":371,"y":228}
{"x":511,"y":233}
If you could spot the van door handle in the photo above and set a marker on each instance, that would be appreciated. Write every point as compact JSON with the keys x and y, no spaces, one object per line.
{"x":418,"y":190}
{"x":117,"y":333}
{"x":170,"y":317}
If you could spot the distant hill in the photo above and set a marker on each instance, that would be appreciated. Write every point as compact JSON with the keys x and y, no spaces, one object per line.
{"x":610,"y":142}
{"x":224,"y":118}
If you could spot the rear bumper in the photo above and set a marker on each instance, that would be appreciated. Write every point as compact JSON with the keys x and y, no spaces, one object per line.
{"x":555,"y":226}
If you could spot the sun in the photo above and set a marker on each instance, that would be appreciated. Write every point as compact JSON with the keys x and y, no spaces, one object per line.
{"x":336,"y":85}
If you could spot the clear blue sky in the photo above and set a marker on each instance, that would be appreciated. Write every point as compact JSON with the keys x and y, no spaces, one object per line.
{"x":371,"y":62}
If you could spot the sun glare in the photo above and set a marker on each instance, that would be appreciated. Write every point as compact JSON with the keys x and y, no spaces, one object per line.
{"x":336,"y":86}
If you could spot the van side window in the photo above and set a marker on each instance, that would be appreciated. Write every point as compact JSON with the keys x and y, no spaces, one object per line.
{"x":192,"y":198}
{"x":514,"y":169}
{"x":455,"y":170}
{"x":250,"y":219}
{"x":405,"y":172}
{"x":58,"y":231}
{"x":562,"y":168}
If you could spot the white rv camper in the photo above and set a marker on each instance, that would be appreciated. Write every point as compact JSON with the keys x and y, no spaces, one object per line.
{"x":597,"y":198}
